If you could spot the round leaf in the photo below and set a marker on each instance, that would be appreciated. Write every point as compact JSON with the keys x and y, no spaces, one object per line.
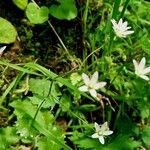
{"x":37,"y":15}
{"x":66,"y":10}
{"x":8,"y":32}
{"x":20,"y":3}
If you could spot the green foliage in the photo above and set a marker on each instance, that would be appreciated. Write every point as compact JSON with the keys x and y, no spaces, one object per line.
{"x":47,"y":110}
{"x":8,"y":136}
{"x":146,"y":45}
{"x":8,"y":32}
{"x":65,"y":10}
{"x":30,"y":123}
{"x":146,"y":136}
{"x":44,"y":90}
{"x":35,"y":14}
{"x":20,"y":3}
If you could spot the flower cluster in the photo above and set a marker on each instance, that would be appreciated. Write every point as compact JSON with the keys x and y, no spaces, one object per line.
{"x":91,"y":84}
{"x":122,"y":30}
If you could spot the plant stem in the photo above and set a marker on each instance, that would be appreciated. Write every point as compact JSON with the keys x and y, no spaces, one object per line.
{"x":52,"y":27}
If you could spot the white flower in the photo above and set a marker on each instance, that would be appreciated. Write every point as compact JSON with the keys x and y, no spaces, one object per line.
{"x":91,"y":84}
{"x":140,"y":69}
{"x":2,"y":49}
{"x":101,"y":132}
{"x":121,"y":28}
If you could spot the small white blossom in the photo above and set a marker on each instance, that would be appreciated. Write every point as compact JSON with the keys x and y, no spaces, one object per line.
{"x":140,"y":69}
{"x":2,"y":49}
{"x":101,"y":132}
{"x":91,"y":84}
{"x":121,"y":28}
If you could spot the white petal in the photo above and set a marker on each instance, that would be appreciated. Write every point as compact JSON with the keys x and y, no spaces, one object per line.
{"x":94,"y":78}
{"x":144,"y":77}
{"x":100,"y":85}
{"x":146,"y":70}
{"x":120,"y":23}
{"x":128,"y":32}
{"x":142,"y":64}
{"x":85,"y":78}
{"x":97,"y":127}
{"x":83,"y":88}
{"x":114,"y":22}
{"x":95,"y":135}
{"x":108,"y":132}
{"x":93,"y":93}
{"x":124,"y":25}
{"x":101,"y":139}
{"x":104,"y":126}
{"x":2,"y":49}
{"x":135,"y":64}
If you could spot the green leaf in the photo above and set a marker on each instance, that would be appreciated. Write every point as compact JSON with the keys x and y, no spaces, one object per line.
{"x":123,"y":142}
{"x":66,"y":10}
{"x":44,"y":143}
{"x":8,"y":136}
{"x":43,"y":124}
{"x":40,"y":86}
{"x":37,"y":15}
{"x":20,"y":3}
{"x":146,"y":136}
{"x":8,"y":32}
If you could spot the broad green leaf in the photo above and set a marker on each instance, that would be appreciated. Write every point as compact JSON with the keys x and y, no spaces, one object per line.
{"x":41,"y":123}
{"x":65,"y":10}
{"x":37,"y":15}
{"x":20,"y":3}
{"x":8,"y":32}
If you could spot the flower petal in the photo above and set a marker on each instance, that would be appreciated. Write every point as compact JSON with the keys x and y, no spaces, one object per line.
{"x":95,"y":135}
{"x":83,"y":88}
{"x":135,"y":64}
{"x":114,"y":23}
{"x":94,"y":78}
{"x":97,"y":127}
{"x":144,"y":77}
{"x":142,"y":64}
{"x":146,"y":70}
{"x":2,"y":49}
{"x":124,"y":26}
{"x":85,"y":78}
{"x":100,"y":85}
{"x":104,"y":126}
{"x":101,"y":139}
{"x":108,"y":132}
{"x":120,"y":23}
{"x":128,"y":32}
{"x":93,"y":93}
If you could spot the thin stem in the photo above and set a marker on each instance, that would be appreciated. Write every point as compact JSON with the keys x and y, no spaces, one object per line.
{"x":63,"y":45}
{"x":52,"y":27}
{"x":85,"y":15}
{"x":84,"y":26}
